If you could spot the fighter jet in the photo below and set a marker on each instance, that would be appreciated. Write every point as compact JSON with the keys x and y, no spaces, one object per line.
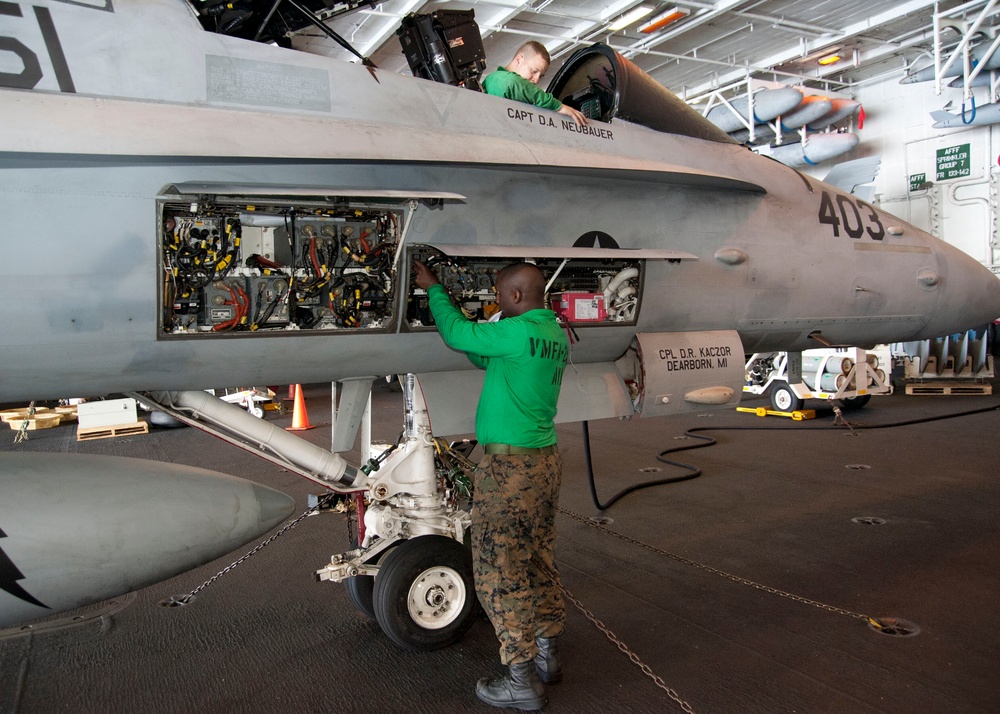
{"x":189,"y":207}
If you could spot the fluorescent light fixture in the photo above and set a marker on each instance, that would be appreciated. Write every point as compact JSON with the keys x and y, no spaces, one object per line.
{"x":633,"y":15}
{"x":829,"y":59}
{"x":661,"y":21}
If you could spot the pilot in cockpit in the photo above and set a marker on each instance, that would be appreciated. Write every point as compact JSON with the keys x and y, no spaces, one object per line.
{"x":519,"y":80}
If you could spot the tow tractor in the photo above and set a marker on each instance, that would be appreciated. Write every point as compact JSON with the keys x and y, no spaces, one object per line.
{"x":846,"y":375}
{"x":254,"y":399}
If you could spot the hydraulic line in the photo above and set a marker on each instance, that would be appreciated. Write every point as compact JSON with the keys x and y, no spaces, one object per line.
{"x":695,"y":471}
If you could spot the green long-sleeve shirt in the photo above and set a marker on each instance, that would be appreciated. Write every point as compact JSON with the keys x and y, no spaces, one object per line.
{"x":524,"y":358}
{"x":507,"y":84}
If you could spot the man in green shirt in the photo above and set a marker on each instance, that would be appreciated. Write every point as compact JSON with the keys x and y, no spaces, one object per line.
{"x":517,"y":482}
{"x":519,"y":80}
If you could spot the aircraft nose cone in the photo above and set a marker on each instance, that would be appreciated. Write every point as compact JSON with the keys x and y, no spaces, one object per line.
{"x":981,"y":301}
{"x":969,"y":294}
{"x":993,"y":296}
{"x":275,"y":506}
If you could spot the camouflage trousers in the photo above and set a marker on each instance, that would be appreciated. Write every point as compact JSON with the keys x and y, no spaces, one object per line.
{"x":513,"y":529}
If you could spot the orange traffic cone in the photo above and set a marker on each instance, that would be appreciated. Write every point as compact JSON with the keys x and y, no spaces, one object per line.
{"x":300,"y":417}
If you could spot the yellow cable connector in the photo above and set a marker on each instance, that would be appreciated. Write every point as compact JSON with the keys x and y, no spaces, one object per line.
{"x":877,"y":624}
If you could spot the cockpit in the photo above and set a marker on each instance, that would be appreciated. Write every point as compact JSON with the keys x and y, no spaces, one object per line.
{"x":446,"y":46}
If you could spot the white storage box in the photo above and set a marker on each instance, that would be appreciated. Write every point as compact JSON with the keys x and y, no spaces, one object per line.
{"x":110,"y":412}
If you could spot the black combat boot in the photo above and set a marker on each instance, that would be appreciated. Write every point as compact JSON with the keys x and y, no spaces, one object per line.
{"x":547,"y":661}
{"x":520,"y":689}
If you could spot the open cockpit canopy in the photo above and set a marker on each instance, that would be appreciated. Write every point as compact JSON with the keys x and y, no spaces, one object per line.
{"x":603,"y":85}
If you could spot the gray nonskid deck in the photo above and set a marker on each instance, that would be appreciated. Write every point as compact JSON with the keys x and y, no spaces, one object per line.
{"x":774,"y":505}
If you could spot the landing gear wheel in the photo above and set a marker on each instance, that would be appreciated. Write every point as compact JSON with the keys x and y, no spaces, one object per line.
{"x":257,"y":412}
{"x":361,"y":588}
{"x":853,"y":403}
{"x":783,"y":399}
{"x":360,"y":591}
{"x":424,"y":596}
{"x":164,"y":420}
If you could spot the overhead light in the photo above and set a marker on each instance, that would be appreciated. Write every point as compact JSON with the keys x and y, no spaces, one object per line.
{"x":661,"y":21}
{"x":829,"y":59}
{"x":633,"y":15}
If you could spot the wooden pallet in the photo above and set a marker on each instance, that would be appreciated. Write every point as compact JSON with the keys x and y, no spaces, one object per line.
{"x":39,"y":421}
{"x":107,"y":432}
{"x":949,"y":388}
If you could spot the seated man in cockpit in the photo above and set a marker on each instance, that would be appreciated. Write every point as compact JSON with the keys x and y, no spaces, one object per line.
{"x":519,"y":80}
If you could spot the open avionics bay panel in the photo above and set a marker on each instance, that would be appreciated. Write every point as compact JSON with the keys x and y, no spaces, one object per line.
{"x":239,"y":260}
{"x":585,"y":286}
{"x":268,"y":260}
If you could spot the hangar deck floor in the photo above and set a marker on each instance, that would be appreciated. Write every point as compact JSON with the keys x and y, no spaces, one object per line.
{"x":775,"y":505}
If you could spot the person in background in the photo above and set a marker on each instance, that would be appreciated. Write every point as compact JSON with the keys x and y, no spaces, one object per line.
{"x":516,"y":486}
{"x":519,"y":80}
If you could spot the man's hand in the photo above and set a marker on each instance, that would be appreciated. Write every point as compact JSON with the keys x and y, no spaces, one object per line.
{"x":424,"y":277}
{"x":578,"y":117}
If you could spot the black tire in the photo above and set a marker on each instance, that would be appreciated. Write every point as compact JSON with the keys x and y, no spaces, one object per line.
{"x":164,"y":420}
{"x":361,"y":588}
{"x":853,"y":403}
{"x":783,"y":399}
{"x":424,"y":594}
{"x":361,"y":592}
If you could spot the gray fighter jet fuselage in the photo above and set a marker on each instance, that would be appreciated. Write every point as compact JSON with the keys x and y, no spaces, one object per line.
{"x":118,"y":118}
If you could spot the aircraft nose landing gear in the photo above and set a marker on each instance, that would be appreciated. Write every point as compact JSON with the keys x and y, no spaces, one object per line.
{"x":413,"y":573}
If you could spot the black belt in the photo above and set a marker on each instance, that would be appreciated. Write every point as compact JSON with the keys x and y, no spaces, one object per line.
{"x":493,"y":449}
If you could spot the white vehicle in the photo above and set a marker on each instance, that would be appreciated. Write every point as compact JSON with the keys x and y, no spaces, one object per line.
{"x":252,"y":399}
{"x":848,"y":375}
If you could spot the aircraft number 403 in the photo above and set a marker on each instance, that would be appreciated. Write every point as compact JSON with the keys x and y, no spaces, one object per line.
{"x":850,"y":217}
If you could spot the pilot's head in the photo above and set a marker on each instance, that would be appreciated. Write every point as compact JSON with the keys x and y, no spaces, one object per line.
{"x":530,"y":61}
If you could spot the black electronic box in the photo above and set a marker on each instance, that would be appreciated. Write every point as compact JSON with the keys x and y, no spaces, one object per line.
{"x":444,"y":46}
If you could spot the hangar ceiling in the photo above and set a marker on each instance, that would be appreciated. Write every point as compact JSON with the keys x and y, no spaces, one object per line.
{"x":711,"y":46}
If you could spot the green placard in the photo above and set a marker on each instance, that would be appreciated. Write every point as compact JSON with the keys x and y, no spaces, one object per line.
{"x":953,"y":162}
{"x":917,"y":180}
